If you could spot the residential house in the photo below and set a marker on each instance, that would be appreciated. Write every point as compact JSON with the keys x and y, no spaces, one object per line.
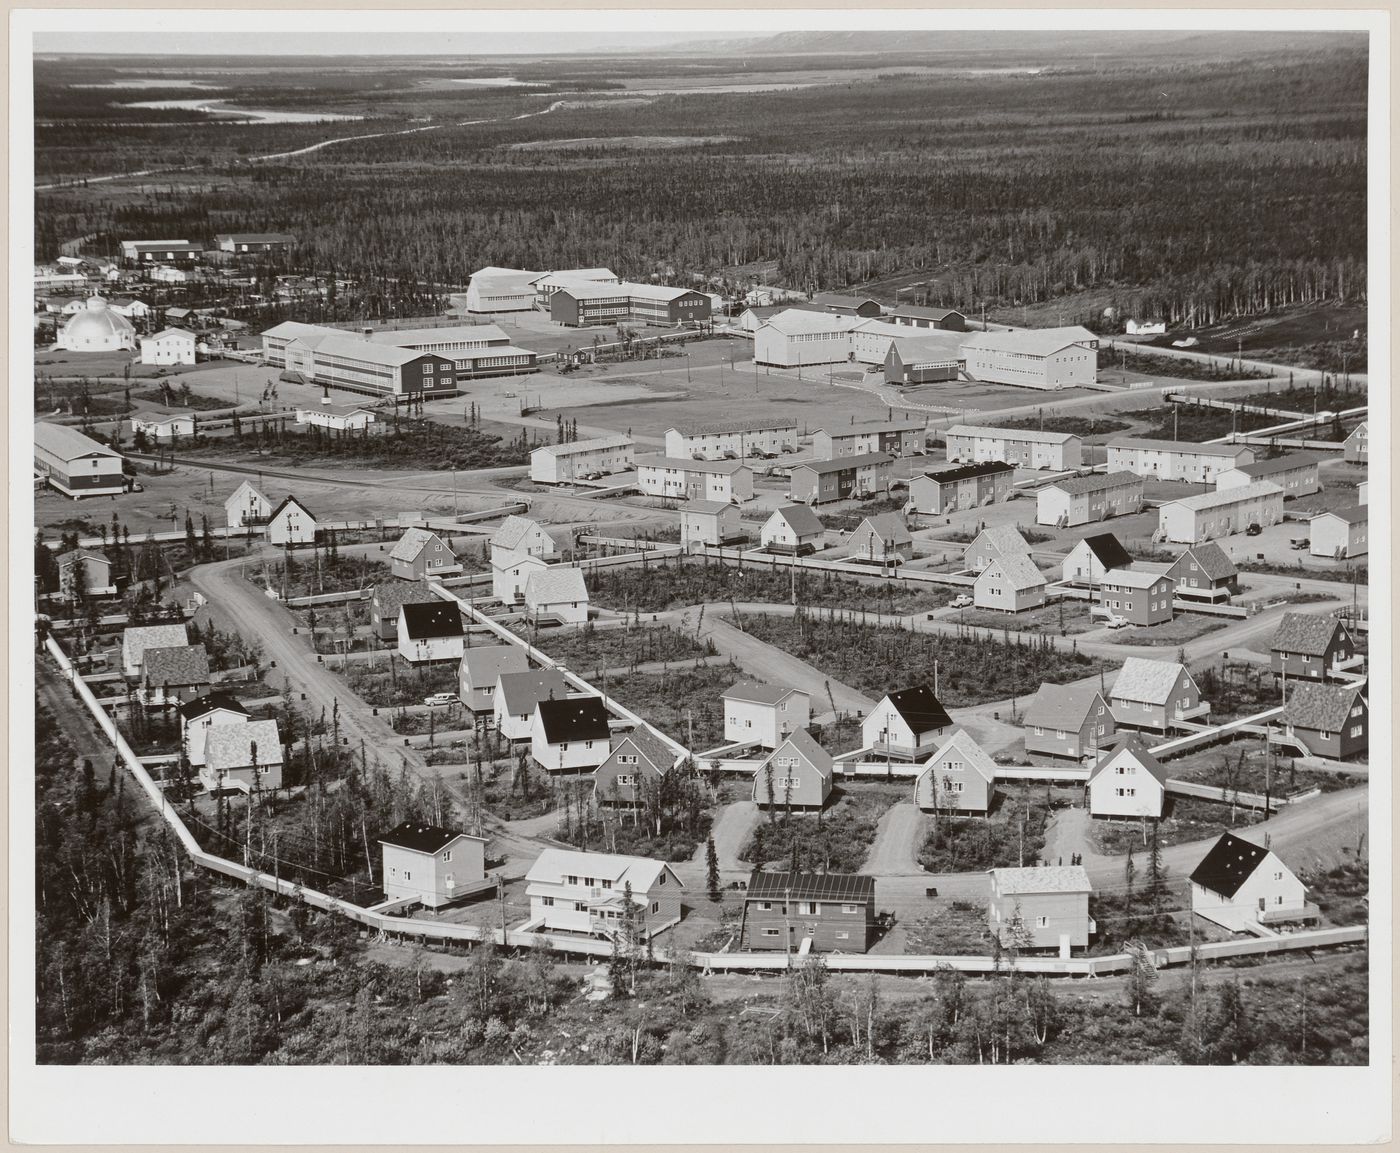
{"x":510,"y":573}
{"x":172,"y":675}
{"x":338,"y":417}
{"x":848,"y":478}
{"x":1310,"y":647}
{"x":168,"y":346}
{"x":1087,"y":499}
{"x":795,"y":775}
{"x":1356,"y":449}
{"x":637,"y":759}
{"x":199,"y":715}
{"x":1044,"y":907}
{"x":1175,"y":459}
{"x":721,"y":481}
{"x":578,"y":892}
{"x":581,"y":459}
{"x":905,"y":724}
{"x":291,"y":523}
{"x":1010,"y":584}
{"x":709,"y":523}
{"x":961,"y":487}
{"x":137,"y":639}
{"x":423,"y":555}
{"x":1204,"y":573}
{"x":765,"y":715}
{"x":386,"y":600}
{"x":959,"y":779}
{"x":84,"y":570}
{"x":881,"y":539}
{"x":556,"y":594}
{"x":808,"y":913}
{"x":162,"y":427}
{"x":793,"y":529}
{"x":437,"y":866}
{"x":1340,"y":534}
{"x":431,"y":631}
{"x":570,"y":734}
{"x":516,"y":696}
{"x":1128,"y":781}
{"x":1140,"y":598}
{"x":1021,"y":447}
{"x":247,"y":755}
{"x":1091,"y":557}
{"x":996,"y":541}
{"x":1196,"y":519}
{"x":246,"y":506}
{"x":520,"y":534}
{"x":1332,"y":721}
{"x":481,"y":668}
{"x":1294,"y":472}
{"x":1244,"y":887}
{"x":1068,"y":722}
{"x":1153,"y":694}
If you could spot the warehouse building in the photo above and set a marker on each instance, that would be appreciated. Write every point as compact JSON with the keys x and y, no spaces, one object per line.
{"x":580,"y":303}
{"x":1294,"y":472}
{"x":1340,"y":534}
{"x":754,"y":317}
{"x":913,"y":360}
{"x":249,"y":243}
{"x":722,"y":481}
{"x":160,"y":251}
{"x":732,"y":439}
{"x":493,"y":290}
{"x":961,"y":487}
{"x":551,"y":282}
{"x":821,"y":481}
{"x":796,"y":338}
{"x":834,"y":302}
{"x":917,"y":316}
{"x":74,"y":464}
{"x":581,"y":459}
{"x":1022,"y":447}
{"x":359,"y":365}
{"x":871,"y":340}
{"x":1211,"y":515}
{"x":1086,"y":499}
{"x":1046,"y":358}
{"x":896,"y":437}
{"x":1174,"y":459}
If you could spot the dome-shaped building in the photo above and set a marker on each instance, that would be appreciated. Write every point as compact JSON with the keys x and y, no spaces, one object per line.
{"x":96,"y":328}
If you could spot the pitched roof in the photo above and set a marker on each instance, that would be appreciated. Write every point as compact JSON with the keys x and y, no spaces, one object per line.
{"x":958,"y":472}
{"x":64,"y":559}
{"x":1144,"y":679}
{"x":422,"y":838}
{"x":758,"y":693}
{"x":1288,"y":462}
{"x":1226,"y":496}
{"x":1018,"y":569}
{"x":1032,"y":341}
{"x":257,"y":237}
{"x":1134,"y":578}
{"x":1004,"y":538}
{"x":1062,"y":706}
{"x":208,"y":703}
{"x":597,"y":444}
{"x":1028,"y":435}
{"x":866,"y":428}
{"x":1355,"y":514}
{"x":920,"y":709}
{"x":413,"y":542}
{"x":286,"y":500}
{"x":839,"y":300}
{"x":805,"y":744}
{"x":68,"y":443}
{"x":556,"y":585}
{"x":1108,"y":550}
{"x":1131,"y":745}
{"x":1042,"y":879}
{"x":411,"y":337}
{"x":845,"y":463}
{"x":1319,"y":707}
{"x":1229,"y":864}
{"x":1306,"y":633}
{"x":801,"y":519}
{"x":138,"y":638}
{"x":231,"y":746}
{"x":962,"y":744}
{"x":687,"y":464}
{"x":645,"y":740}
{"x":424,"y":620}
{"x":355,"y":347}
{"x":721,"y":427}
{"x":888,"y":527}
{"x":796,"y":320}
{"x":519,"y":693}
{"x":810,"y":887}
{"x":1212,"y":560}
{"x":483,"y":665}
{"x":641,"y":873}
{"x":513,"y":530}
{"x":919,"y":312}
{"x":1234,"y":451}
{"x":1096,"y":482}
{"x":707,"y":507}
{"x":236,"y":496}
{"x":389,"y":596}
{"x":178,"y":665}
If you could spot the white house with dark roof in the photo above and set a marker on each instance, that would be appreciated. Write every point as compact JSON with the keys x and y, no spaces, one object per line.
{"x":1127,"y":781}
{"x":558,"y":594}
{"x":513,"y":703}
{"x":581,"y":459}
{"x":905,"y":724}
{"x":1068,"y":722}
{"x":199,"y":715}
{"x":481,"y":668}
{"x":570,"y":735}
{"x":797,"y":774}
{"x":708,"y":522}
{"x":138,"y":638}
{"x":1246,"y":888}
{"x":1091,"y":557}
{"x":291,"y":523}
{"x":1339,"y":533}
{"x":431,"y":631}
{"x":421,"y":554}
{"x":1009,"y":584}
{"x":247,"y":755}
{"x":960,"y":778}
{"x":1153,"y":694}
{"x":435,"y":865}
{"x":638,"y":759}
{"x":992,"y":542}
{"x":1080,"y":500}
{"x":577,"y":892}
{"x":792,"y":528}
{"x":246,"y":506}
{"x":883,"y":538}
{"x":510,"y":573}
{"x":1051,"y":904}
{"x":764,"y":714}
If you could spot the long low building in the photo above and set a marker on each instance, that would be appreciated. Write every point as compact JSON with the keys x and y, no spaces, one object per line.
{"x":1211,"y":515}
{"x":822,"y":481}
{"x":797,"y":338}
{"x":563,"y":463}
{"x":732,"y":439}
{"x":75,"y":464}
{"x":1022,"y":447}
{"x":896,"y":437}
{"x":1086,"y":499}
{"x":1174,"y":459}
{"x":581,"y":303}
{"x":914,"y":360}
{"x":493,"y":290}
{"x":1045,"y":358}
{"x":1294,"y":472}
{"x":961,"y":487}
{"x":721,"y":481}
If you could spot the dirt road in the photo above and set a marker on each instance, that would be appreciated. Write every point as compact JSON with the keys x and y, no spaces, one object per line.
{"x":897,"y":841}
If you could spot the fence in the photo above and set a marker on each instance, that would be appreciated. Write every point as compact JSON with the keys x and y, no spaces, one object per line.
{"x":845,"y":568}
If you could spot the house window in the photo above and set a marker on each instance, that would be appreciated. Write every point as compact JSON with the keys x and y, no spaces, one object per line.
{"x":1307,"y":660}
{"x":850,"y":908}
{"x":604,"y":883}
{"x":407,"y":876}
{"x":626,"y":779}
{"x":1042,"y":922}
{"x":843,"y":936}
{"x":1356,"y":730}
{"x":770,"y":932}
{"x":1060,"y":734}
{"x":571,"y":880}
{"x":656,"y":906}
{"x":447,"y":856}
{"x":953,"y":786}
{"x":661,"y":878}
{"x":1039,"y":731}
{"x":580,"y":907}
{"x":765,"y":906}
{"x":547,"y":902}
{"x":627,"y":758}
{"x":954,"y":766}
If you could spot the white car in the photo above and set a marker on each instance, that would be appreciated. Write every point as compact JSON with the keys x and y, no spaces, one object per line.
{"x":1116,"y":622}
{"x":440,"y":699}
{"x":961,"y":601}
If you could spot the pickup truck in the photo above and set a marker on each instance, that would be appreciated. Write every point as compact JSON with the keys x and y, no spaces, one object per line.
{"x":961,"y":601}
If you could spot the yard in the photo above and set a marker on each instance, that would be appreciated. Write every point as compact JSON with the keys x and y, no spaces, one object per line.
{"x":1181,"y":628}
{"x":836,"y":840}
{"x":669,"y":825}
{"x":1339,"y":891}
{"x":955,"y":928}
{"x":1188,"y":422}
{"x":1058,"y":619}
{"x":1183,"y":819}
{"x":1246,"y":765}
{"x":396,"y":682}
{"x":593,"y":649}
{"x":323,"y":570}
{"x":1237,"y":689}
{"x":1081,"y":426}
{"x":1012,"y":834}
{"x":684,"y":703}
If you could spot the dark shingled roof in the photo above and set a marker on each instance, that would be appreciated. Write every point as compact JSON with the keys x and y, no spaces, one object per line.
{"x":186,"y":665}
{"x":1320,"y":708}
{"x":920,"y":709}
{"x":209,"y":702}
{"x":1109,"y":550}
{"x":420,"y":838}
{"x":810,"y":887}
{"x":1212,"y":560}
{"x":574,"y":719}
{"x":1305,"y":633}
{"x":969,"y":471}
{"x":1229,"y":864}
{"x":389,"y":596}
{"x":430,"y":621}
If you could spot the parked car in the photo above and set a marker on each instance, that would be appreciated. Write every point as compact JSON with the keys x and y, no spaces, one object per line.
{"x":1298,"y":543}
{"x":1254,"y":529}
{"x":961,"y":601}
{"x":440,"y":699}
{"x":1114,"y":621}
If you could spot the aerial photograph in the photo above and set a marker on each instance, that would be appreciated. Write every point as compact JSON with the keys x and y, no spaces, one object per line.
{"x":755,"y":548}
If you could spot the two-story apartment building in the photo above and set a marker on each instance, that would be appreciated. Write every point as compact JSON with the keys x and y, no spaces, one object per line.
{"x":731,"y":439}
{"x":1211,"y":515}
{"x":1044,"y":907}
{"x":1021,"y":447}
{"x":581,"y":459}
{"x":894,"y":437}
{"x":847,"y":478}
{"x":1153,"y":694}
{"x":811,"y":912}
{"x":723,"y":481}
{"x":765,"y":715}
{"x":1140,"y":598}
{"x":1340,"y":534}
{"x":1175,"y":459}
{"x":961,"y":487}
{"x":906,"y":724}
{"x":1068,"y":722}
{"x":1294,"y":472}
{"x":577,"y":892}
{"x":1086,"y":499}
